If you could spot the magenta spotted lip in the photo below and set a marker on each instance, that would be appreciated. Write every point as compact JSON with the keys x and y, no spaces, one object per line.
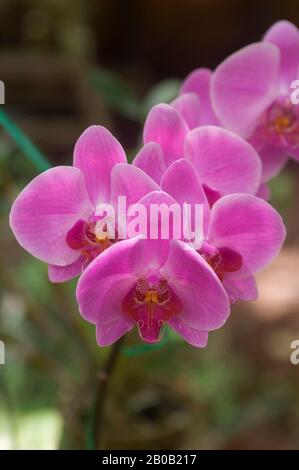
{"x":150,"y":305}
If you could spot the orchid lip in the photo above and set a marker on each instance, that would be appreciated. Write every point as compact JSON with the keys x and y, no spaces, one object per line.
{"x":281,"y":124}
{"x":150,"y":305}
{"x":151,"y":334}
{"x":222,"y":260}
{"x":82,"y":236}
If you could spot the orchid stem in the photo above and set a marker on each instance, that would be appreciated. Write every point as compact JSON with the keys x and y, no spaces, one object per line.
{"x":104,"y":378}
{"x":24,"y":143}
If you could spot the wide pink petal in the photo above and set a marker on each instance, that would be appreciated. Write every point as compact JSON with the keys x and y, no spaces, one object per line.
{"x":223,"y":160}
{"x":167,"y":127}
{"x":189,"y":106}
{"x":244,"y":85}
{"x":104,"y":283}
{"x":108,"y":334}
{"x":199,"y":82}
{"x":65,"y":273}
{"x":182,"y":183}
{"x":194,"y":337}
{"x":244,"y":289}
{"x":285,"y":36}
{"x":150,"y":159}
{"x":205,"y":303}
{"x":131,"y":182}
{"x":273,"y":160}
{"x":250,"y":226}
{"x":46,"y":209}
{"x":96,"y":152}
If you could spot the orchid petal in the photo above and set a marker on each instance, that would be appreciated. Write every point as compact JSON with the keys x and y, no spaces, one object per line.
{"x":273,"y":160}
{"x":223,"y":160}
{"x":205,"y":303}
{"x":108,"y":334}
{"x":194,"y":337}
{"x":249,"y":226}
{"x":151,"y":160}
{"x":182,"y":183}
{"x":199,"y":82}
{"x":244,"y":85}
{"x":105,"y":281}
{"x":167,"y":127}
{"x":189,"y":106}
{"x":244,"y":289}
{"x":131,"y":182}
{"x":46,"y":209}
{"x":65,"y":273}
{"x":96,"y":152}
{"x":285,"y":36}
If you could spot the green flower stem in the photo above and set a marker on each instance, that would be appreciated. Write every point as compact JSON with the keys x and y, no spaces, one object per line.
{"x":97,"y":412}
{"x":33,"y":154}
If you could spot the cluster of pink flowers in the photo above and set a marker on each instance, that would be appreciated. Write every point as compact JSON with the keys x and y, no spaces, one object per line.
{"x":218,"y":144}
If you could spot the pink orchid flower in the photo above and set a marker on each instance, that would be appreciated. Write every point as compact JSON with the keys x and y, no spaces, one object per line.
{"x":225,"y":162}
{"x":150,"y":284}
{"x":53,"y":218}
{"x":250,"y":93}
{"x":195,"y":105}
{"x":242,"y":233}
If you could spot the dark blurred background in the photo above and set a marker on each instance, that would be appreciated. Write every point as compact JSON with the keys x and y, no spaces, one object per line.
{"x":66,"y":65}
{"x":49,"y":49}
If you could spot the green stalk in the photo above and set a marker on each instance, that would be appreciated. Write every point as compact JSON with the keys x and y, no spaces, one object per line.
{"x":33,"y":154}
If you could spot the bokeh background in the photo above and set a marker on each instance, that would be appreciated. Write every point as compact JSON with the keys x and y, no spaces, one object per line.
{"x":66,"y":65}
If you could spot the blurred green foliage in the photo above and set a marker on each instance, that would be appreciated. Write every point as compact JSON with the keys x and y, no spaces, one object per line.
{"x":120,"y":95}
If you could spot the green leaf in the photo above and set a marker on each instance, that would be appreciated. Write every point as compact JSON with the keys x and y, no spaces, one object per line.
{"x":163,"y":92}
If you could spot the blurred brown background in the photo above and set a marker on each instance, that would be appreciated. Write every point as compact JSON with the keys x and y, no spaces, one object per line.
{"x":66,"y":65}
{"x":48,"y":48}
